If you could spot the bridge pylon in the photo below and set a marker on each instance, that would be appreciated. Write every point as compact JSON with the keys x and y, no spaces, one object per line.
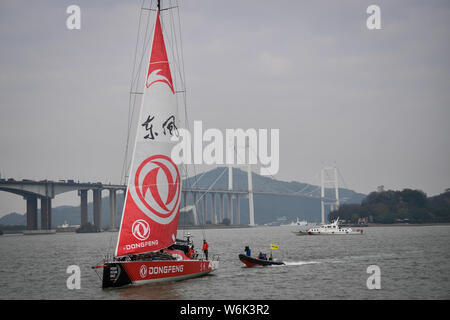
{"x":327,"y":181}
{"x":250,"y":196}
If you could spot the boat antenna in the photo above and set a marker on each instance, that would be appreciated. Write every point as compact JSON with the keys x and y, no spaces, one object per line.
{"x":159,"y":6}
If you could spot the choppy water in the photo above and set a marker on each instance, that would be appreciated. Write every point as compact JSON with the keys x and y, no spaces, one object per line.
{"x":414,"y":263}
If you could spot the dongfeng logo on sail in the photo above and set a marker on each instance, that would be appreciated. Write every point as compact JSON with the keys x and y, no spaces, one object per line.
{"x":140,"y":229}
{"x":157,"y":188}
{"x":156,"y":192}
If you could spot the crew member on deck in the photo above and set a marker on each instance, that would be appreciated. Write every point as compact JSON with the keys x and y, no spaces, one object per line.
{"x":188,"y":238}
{"x":205,"y":248}
{"x":191,"y":252}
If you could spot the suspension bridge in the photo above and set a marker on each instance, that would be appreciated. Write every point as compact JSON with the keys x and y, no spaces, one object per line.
{"x":44,"y":191}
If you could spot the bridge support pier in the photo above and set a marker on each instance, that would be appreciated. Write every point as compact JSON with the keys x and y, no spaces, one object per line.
{"x":222,"y":206}
{"x":213,"y":212}
{"x":238,"y":210}
{"x":230,"y":207}
{"x":46,"y":213}
{"x":31,"y":212}
{"x":97,"y":207}
{"x":194,"y":194}
{"x":112,"y":209}
{"x":184,"y":199}
{"x":83,"y":207}
{"x":204,"y":209}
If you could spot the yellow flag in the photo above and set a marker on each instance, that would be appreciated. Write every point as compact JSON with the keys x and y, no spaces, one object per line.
{"x":273,"y":246}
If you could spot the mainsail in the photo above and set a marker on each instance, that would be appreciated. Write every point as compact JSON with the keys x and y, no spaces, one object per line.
{"x":151,"y":211}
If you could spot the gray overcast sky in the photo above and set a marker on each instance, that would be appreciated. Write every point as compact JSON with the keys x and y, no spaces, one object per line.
{"x":376,"y":102}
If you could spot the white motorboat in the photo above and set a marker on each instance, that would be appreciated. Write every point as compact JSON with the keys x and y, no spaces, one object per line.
{"x":304,"y":226}
{"x":333,"y":229}
{"x":64,"y":225}
{"x":298,"y":223}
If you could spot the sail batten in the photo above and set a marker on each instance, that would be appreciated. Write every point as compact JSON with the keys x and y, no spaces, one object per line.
{"x":151,"y":210}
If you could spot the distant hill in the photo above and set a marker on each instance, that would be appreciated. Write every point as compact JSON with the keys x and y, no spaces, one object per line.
{"x":411,"y":206}
{"x":267,"y":207}
{"x":14,"y":219}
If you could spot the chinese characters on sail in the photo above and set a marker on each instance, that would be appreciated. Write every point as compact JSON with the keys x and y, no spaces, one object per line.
{"x":168,"y":127}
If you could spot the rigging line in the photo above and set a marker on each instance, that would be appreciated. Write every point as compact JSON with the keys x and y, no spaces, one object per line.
{"x":168,"y":39}
{"x":172,"y":39}
{"x":177,"y":51}
{"x":129,"y":99}
{"x":181,"y":70}
{"x":132,"y":103}
{"x":144,"y":48}
{"x":136,"y":80}
{"x":183,"y":77}
{"x":173,"y":44}
{"x":150,"y":9}
{"x":146,"y":41}
{"x":181,"y":47}
{"x":179,"y":64}
{"x":136,"y":48}
{"x":177,"y":59}
{"x":145,"y":44}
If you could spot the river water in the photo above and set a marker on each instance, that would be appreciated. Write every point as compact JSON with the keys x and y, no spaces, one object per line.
{"x":414,"y":262}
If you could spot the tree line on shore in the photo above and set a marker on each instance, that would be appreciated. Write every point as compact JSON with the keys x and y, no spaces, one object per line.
{"x":406,"y":206}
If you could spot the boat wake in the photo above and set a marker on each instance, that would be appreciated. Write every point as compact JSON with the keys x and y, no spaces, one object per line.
{"x":299,"y":263}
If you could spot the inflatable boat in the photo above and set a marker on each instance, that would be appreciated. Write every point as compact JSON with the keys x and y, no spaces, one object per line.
{"x":251,"y":261}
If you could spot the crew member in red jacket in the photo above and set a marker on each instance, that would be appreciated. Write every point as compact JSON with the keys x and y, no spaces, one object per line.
{"x":191,"y":253}
{"x":205,"y":248}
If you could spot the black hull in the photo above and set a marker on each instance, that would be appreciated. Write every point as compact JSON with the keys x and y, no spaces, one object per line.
{"x":114,"y":275}
{"x":250,"y":261}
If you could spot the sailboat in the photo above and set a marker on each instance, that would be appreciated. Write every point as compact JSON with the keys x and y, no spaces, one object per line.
{"x":147,"y":247}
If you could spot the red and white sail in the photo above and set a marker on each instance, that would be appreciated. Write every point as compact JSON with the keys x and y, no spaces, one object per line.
{"x":152,"y":203}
